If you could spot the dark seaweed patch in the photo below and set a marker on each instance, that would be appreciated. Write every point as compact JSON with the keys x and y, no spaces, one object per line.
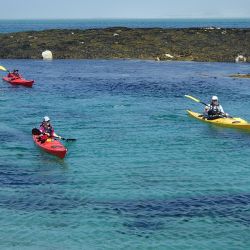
{"x":154,"y":214}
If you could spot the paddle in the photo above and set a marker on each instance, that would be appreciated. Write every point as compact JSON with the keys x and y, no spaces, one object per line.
{"x":36,"y":131}
{"x":64,"y":139}
{"x":3,"y":68}
{"x":195,"y":99}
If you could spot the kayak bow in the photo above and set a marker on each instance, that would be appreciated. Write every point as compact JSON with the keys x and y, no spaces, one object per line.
{"x":224,"y":122}
{"x":51,"y":146}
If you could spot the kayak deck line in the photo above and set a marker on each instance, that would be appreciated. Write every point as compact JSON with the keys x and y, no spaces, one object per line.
{"x":229,"y":122}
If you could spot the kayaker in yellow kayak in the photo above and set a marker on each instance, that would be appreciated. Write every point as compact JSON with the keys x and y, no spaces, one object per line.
{"x":214,"y":110}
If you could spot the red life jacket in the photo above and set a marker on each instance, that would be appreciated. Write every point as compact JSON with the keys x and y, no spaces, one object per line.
{"x":43,"y":138}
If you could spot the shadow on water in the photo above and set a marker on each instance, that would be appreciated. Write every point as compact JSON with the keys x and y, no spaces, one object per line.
{"x":139,"y":87}
{"x":31,"y":191}
{"x":151,"y":215}
{"x":5,"y":136}
{"x":18,"y":175}
{"x":37,"y":188}
{"x":49,"y":200}
{"x":240,"y":136}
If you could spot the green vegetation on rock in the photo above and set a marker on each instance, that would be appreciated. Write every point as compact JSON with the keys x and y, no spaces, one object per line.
{"x":193,"y":44}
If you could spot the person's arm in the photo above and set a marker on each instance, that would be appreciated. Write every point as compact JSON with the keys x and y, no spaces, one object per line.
{"x":222,"y":110}
{"x":55,"y":135}
{"x":207,"y":109}
{"x":41,"y":129}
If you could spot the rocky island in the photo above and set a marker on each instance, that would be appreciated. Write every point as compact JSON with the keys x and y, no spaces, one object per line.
{"x":190,"y":44}
{"x":241,"y":76}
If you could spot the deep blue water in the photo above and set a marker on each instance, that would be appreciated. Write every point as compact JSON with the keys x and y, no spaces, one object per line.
{"x":142,"y":174}
{"x":24,"y":25}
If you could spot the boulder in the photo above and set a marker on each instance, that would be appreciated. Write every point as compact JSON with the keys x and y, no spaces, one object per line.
{"x":240,"y":58}
{"x":47,"y":55}
{"x":169,"y":56}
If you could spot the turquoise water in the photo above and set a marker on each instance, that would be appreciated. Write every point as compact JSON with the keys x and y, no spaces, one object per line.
{"x":142,"y":174}
{"x":24,"y":25}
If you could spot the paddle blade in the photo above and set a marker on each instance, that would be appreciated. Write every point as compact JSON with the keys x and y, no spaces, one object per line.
{"x":3,"y":69}
{"x":70,"y":139}
{"x":192,"y":98}
{"x":36,"y":131}
{"x":65,"y":139}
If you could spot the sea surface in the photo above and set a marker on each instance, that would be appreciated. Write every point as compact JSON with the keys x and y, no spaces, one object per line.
{"x":141,"y":175}
{"x":7,"y":26}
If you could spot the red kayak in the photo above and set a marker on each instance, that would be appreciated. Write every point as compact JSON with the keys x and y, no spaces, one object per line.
{"x":19,"y":81}
{"x":51,"y":146}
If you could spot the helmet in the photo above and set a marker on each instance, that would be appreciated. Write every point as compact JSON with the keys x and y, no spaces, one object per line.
{"x":46,"y":119}
{"x":215,"y":98}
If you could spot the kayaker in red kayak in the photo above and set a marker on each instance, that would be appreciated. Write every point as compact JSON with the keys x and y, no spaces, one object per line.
{"x":15,"y":78}
{"x":47,"y":131}
{"x":15,"y":74}
{"x":45,"y":138}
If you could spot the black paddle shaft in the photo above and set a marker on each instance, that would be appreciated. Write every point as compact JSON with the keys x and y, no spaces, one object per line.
{"x":64,"y":139}
{"x":203,"y":103}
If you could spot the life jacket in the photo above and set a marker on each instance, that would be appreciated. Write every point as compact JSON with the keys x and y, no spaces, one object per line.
{"x":11,"y":75}
{"x":43,"y":138}
{"x":48,"y":130}
{"x":214,"y":110}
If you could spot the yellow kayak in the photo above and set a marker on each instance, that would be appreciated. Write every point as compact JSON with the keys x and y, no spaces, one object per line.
{"x":224,"y":122}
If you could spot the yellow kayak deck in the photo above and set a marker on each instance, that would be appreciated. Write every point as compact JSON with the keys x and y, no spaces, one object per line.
{"x":224,"y":122}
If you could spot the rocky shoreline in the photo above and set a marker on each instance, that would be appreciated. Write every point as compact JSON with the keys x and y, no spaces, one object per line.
{"x":241,"y":76}
{"x":193,"y":44}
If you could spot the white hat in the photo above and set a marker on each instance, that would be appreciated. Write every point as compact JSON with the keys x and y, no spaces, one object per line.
{"x":46,"y":119}
{"x":215,"y":98}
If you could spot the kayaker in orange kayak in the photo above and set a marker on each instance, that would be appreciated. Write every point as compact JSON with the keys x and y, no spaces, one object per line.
{"x":47,"y":131}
